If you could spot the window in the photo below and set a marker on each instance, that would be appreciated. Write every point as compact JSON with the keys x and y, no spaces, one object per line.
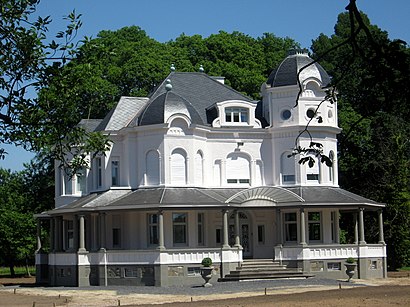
{"x":237,"y":170}
{"x":194,"y":271}
{"x":291,"y":233}
{"x":115,"y":173}
{"x":153,"y":229}
{"x":200,"y":223}
{"x":286,"y":114}
{"x":98,"y":173}
{"x":312,"y":173}
{"x":69,"y":241}
{"x":287,"y":168}
{"x":261,"y":234}
{"x":334,"y":266}
{"x":310,"y":113}
{"x":116,"y":237}
{"x":81,"y":180}
{"x":218,"y":236}
{"x":179,"y":227}
{"x":178,"y":167}
{"x":68,"y":183}
{"x":116,"y":231}
{"x":331,"y":168}
{"x":314,"y":226}
{"x":236,"y":115}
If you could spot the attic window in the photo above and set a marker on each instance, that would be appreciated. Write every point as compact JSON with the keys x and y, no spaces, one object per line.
{"x":236,"y":115}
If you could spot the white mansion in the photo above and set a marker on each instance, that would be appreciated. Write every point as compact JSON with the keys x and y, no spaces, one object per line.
{"x":199,"y":170}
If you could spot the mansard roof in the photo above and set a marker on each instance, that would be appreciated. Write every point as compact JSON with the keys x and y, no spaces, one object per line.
{"x":287,"y":72}
{"x":194,"y":92}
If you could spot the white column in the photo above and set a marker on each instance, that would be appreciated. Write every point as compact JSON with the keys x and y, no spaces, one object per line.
{"x":361,"y":226}
{"x":161,"y":230}
{"x":356,"y":228}
{"x":102,"y":240}
{"x":302,"y":227}
{"x":337,"y":228}
{"x":82,"y":235}
{"x":237,"y":239}
{"x":223,"y":173}
{"x":279,"y":227}
{"x":225,"y":229}
{"x":381,"y":233}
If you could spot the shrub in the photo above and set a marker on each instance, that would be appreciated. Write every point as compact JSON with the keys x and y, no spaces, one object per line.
{"x":207,"y":262}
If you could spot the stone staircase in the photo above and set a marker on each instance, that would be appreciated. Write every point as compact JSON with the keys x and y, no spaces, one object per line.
{"x":263,"y":269}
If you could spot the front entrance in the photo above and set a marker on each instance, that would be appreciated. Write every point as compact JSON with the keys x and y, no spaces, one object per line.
{"x":245,"y":235}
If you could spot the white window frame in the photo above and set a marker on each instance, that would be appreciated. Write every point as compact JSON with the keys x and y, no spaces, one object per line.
{"x":179,"y":224}
{"x":115,"y":170}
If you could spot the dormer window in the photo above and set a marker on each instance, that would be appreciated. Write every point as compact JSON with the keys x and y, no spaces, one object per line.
{"x":236,"y":115}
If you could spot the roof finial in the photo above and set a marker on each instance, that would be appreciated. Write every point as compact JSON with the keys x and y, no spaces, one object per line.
{"x":201,"y":68}
{"x":168,"y":85}
{"x":172,"y":67}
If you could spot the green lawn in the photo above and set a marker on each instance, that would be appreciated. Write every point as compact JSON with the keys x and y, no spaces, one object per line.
{"x":20,"y":271}
{"x":405,"y":268}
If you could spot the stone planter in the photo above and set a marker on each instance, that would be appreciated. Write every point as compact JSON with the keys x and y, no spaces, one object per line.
{"x":206,"y":273}
{"x":350,"y":269}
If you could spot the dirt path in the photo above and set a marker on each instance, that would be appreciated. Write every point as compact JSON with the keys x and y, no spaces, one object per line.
{"x":379,"y":292}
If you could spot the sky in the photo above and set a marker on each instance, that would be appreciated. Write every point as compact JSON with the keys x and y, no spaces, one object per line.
{"x":165,"y":20}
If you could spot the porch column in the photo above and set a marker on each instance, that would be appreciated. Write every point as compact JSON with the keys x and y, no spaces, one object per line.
{"x":161,"y":230}
{"x":337,"y":228}
{"x":60,"y":233}
{"x":237,"y":240}
{"x":361,"y":226}
{"x":356,"y":229}
{"x":102,"y":216}
{"x":225,"y":228}
{"x":38,"y":235}
{"x":279,"y":236}
{"x":75,"y":232}
{"x":82,"y":235}
{"x":302,"y":227}
{"x":381,"y":233}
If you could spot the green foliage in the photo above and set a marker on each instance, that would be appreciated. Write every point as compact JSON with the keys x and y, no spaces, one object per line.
{"x":350,"y":260}
{"x":206,"y":262}
{"x":371,"y":74}
{"x":28,"y":63}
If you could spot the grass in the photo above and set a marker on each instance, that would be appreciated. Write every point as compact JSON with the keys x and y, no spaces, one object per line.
{"x":19,"y":271}
{"x":405,"y":268}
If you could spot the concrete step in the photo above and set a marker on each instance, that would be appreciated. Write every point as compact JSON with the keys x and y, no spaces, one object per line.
{"x":263,"y":269}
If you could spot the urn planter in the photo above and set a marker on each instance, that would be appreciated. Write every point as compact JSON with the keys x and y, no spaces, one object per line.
{"x":350,"y":269}
{"x":206,"y":273}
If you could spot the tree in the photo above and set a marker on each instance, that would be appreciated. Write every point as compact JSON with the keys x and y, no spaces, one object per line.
{"x":371,"y":75}
{"x":28,"y":62}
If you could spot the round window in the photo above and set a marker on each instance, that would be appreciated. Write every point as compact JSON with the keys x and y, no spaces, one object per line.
{"x":310,"y":113}
{"x":286,"y":114}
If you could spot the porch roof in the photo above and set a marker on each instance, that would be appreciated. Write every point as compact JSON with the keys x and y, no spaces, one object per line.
{"x":164,"y":198}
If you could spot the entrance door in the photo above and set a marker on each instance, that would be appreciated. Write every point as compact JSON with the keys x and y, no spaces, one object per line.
{"x":245,"y":235}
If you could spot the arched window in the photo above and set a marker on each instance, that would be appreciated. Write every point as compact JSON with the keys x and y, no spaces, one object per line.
{"x":287,"y":168}
{"x":237,"y":169}
{"x":178,"y":167}
{"x":199,"y":168}
{"x":331,"y":169}
{"x":152,"y":168}
{"x":313,"y":173}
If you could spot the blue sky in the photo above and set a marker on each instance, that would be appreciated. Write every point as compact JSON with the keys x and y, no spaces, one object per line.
{"x":165,"y":20}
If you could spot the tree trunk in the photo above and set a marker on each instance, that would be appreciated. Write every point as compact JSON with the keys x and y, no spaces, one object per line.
{"x":27,"y":269}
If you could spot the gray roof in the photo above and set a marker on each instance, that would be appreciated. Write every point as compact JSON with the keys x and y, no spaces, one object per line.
{"x":122,"y":114}
{"x":89,"y":124}
{"x":286,"y":73}
{"x":191,"y":92}
{"x":213,"y":198}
